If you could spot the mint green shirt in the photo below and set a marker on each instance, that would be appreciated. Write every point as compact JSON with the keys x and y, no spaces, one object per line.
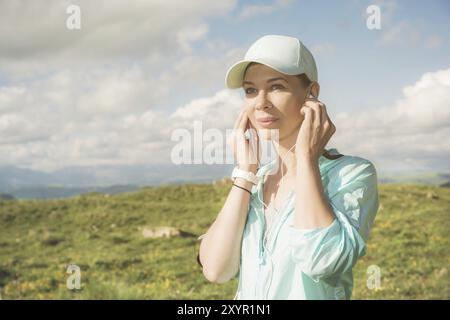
{"x":310,"y":263}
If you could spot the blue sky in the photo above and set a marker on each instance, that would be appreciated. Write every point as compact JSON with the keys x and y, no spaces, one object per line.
{"x":112,"y":92}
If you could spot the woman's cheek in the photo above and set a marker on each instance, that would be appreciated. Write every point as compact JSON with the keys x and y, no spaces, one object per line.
{"x":292,"y":116}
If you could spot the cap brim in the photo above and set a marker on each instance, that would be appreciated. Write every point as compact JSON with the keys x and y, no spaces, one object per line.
{"x":235,"y":74}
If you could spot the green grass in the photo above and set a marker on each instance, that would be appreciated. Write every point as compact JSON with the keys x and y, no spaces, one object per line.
{"x":39,"y":238}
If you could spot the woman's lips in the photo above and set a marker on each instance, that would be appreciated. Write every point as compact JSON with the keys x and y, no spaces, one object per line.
{"x":266,"y":121}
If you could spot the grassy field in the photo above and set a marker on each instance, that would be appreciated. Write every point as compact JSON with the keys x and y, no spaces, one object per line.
{"x":410,"y":243}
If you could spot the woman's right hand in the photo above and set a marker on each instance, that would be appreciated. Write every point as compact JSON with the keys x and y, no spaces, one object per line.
{"x":246,"y":152}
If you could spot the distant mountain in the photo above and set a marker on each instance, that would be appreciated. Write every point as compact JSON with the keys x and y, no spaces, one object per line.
{"x":5,"y":196}
{"x":70,"y":181}
{"x":26,"y":183}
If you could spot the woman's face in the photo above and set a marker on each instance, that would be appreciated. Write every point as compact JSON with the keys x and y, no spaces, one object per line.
{"x":273,"y":100}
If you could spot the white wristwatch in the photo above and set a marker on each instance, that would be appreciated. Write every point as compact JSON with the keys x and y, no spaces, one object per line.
{"x":247,"y":175}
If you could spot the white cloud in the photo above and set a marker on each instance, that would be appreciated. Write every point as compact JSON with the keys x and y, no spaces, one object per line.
{"x":91,"y":98}
{"x":34,"y":36}
{"x":189,"y":35}
{"x":224,"y":105}
{"x":413,"y":131}
{"x":54,"y":123}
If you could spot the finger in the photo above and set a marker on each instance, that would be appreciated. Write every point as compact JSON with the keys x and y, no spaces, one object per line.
{"x":326,"y":118}
{"x":323,"y":113}
{"x":310,"y":97}
{"x":310,"y":102}
{"x":331,"y":125}
{"x":243,"y":124}
{"x":254,"y":140}
{"x":238,"y":120}
{"x":309,"y":117}
{"x":248,"y":124}
{"x":305,"y":108}
{"x":252,"y":127}
{"x":243,"y":121}
{"x":318,"y":115}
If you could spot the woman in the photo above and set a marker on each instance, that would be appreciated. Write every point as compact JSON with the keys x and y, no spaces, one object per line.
{"x":295,"y":227}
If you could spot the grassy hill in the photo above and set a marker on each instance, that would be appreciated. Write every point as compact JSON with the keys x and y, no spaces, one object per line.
{"x":426,"y":177}
{"x":101,"y":234}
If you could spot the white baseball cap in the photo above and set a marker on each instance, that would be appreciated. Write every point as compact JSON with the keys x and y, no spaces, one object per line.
{"x":284,"y":54}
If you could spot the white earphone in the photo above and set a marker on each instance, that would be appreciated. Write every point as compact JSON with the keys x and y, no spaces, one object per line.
{"x":282,"y":175}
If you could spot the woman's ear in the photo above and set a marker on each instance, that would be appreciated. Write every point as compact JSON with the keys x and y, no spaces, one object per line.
{"x":315,"y":89}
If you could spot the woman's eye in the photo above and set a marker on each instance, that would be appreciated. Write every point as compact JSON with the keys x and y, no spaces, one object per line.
{"x":279,"y":86}
{"x":249,"y":90}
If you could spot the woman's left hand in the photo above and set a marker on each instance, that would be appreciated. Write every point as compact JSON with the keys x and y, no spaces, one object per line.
{"x":315,"y":131}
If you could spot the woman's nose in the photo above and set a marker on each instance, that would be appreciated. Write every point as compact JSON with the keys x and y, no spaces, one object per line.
{"x":262,"y":102}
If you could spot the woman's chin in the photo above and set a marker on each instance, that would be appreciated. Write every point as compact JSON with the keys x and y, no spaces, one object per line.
{"x":268,"y":134}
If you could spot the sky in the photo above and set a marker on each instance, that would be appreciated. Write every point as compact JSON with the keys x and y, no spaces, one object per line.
{"x":114,"y":91}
